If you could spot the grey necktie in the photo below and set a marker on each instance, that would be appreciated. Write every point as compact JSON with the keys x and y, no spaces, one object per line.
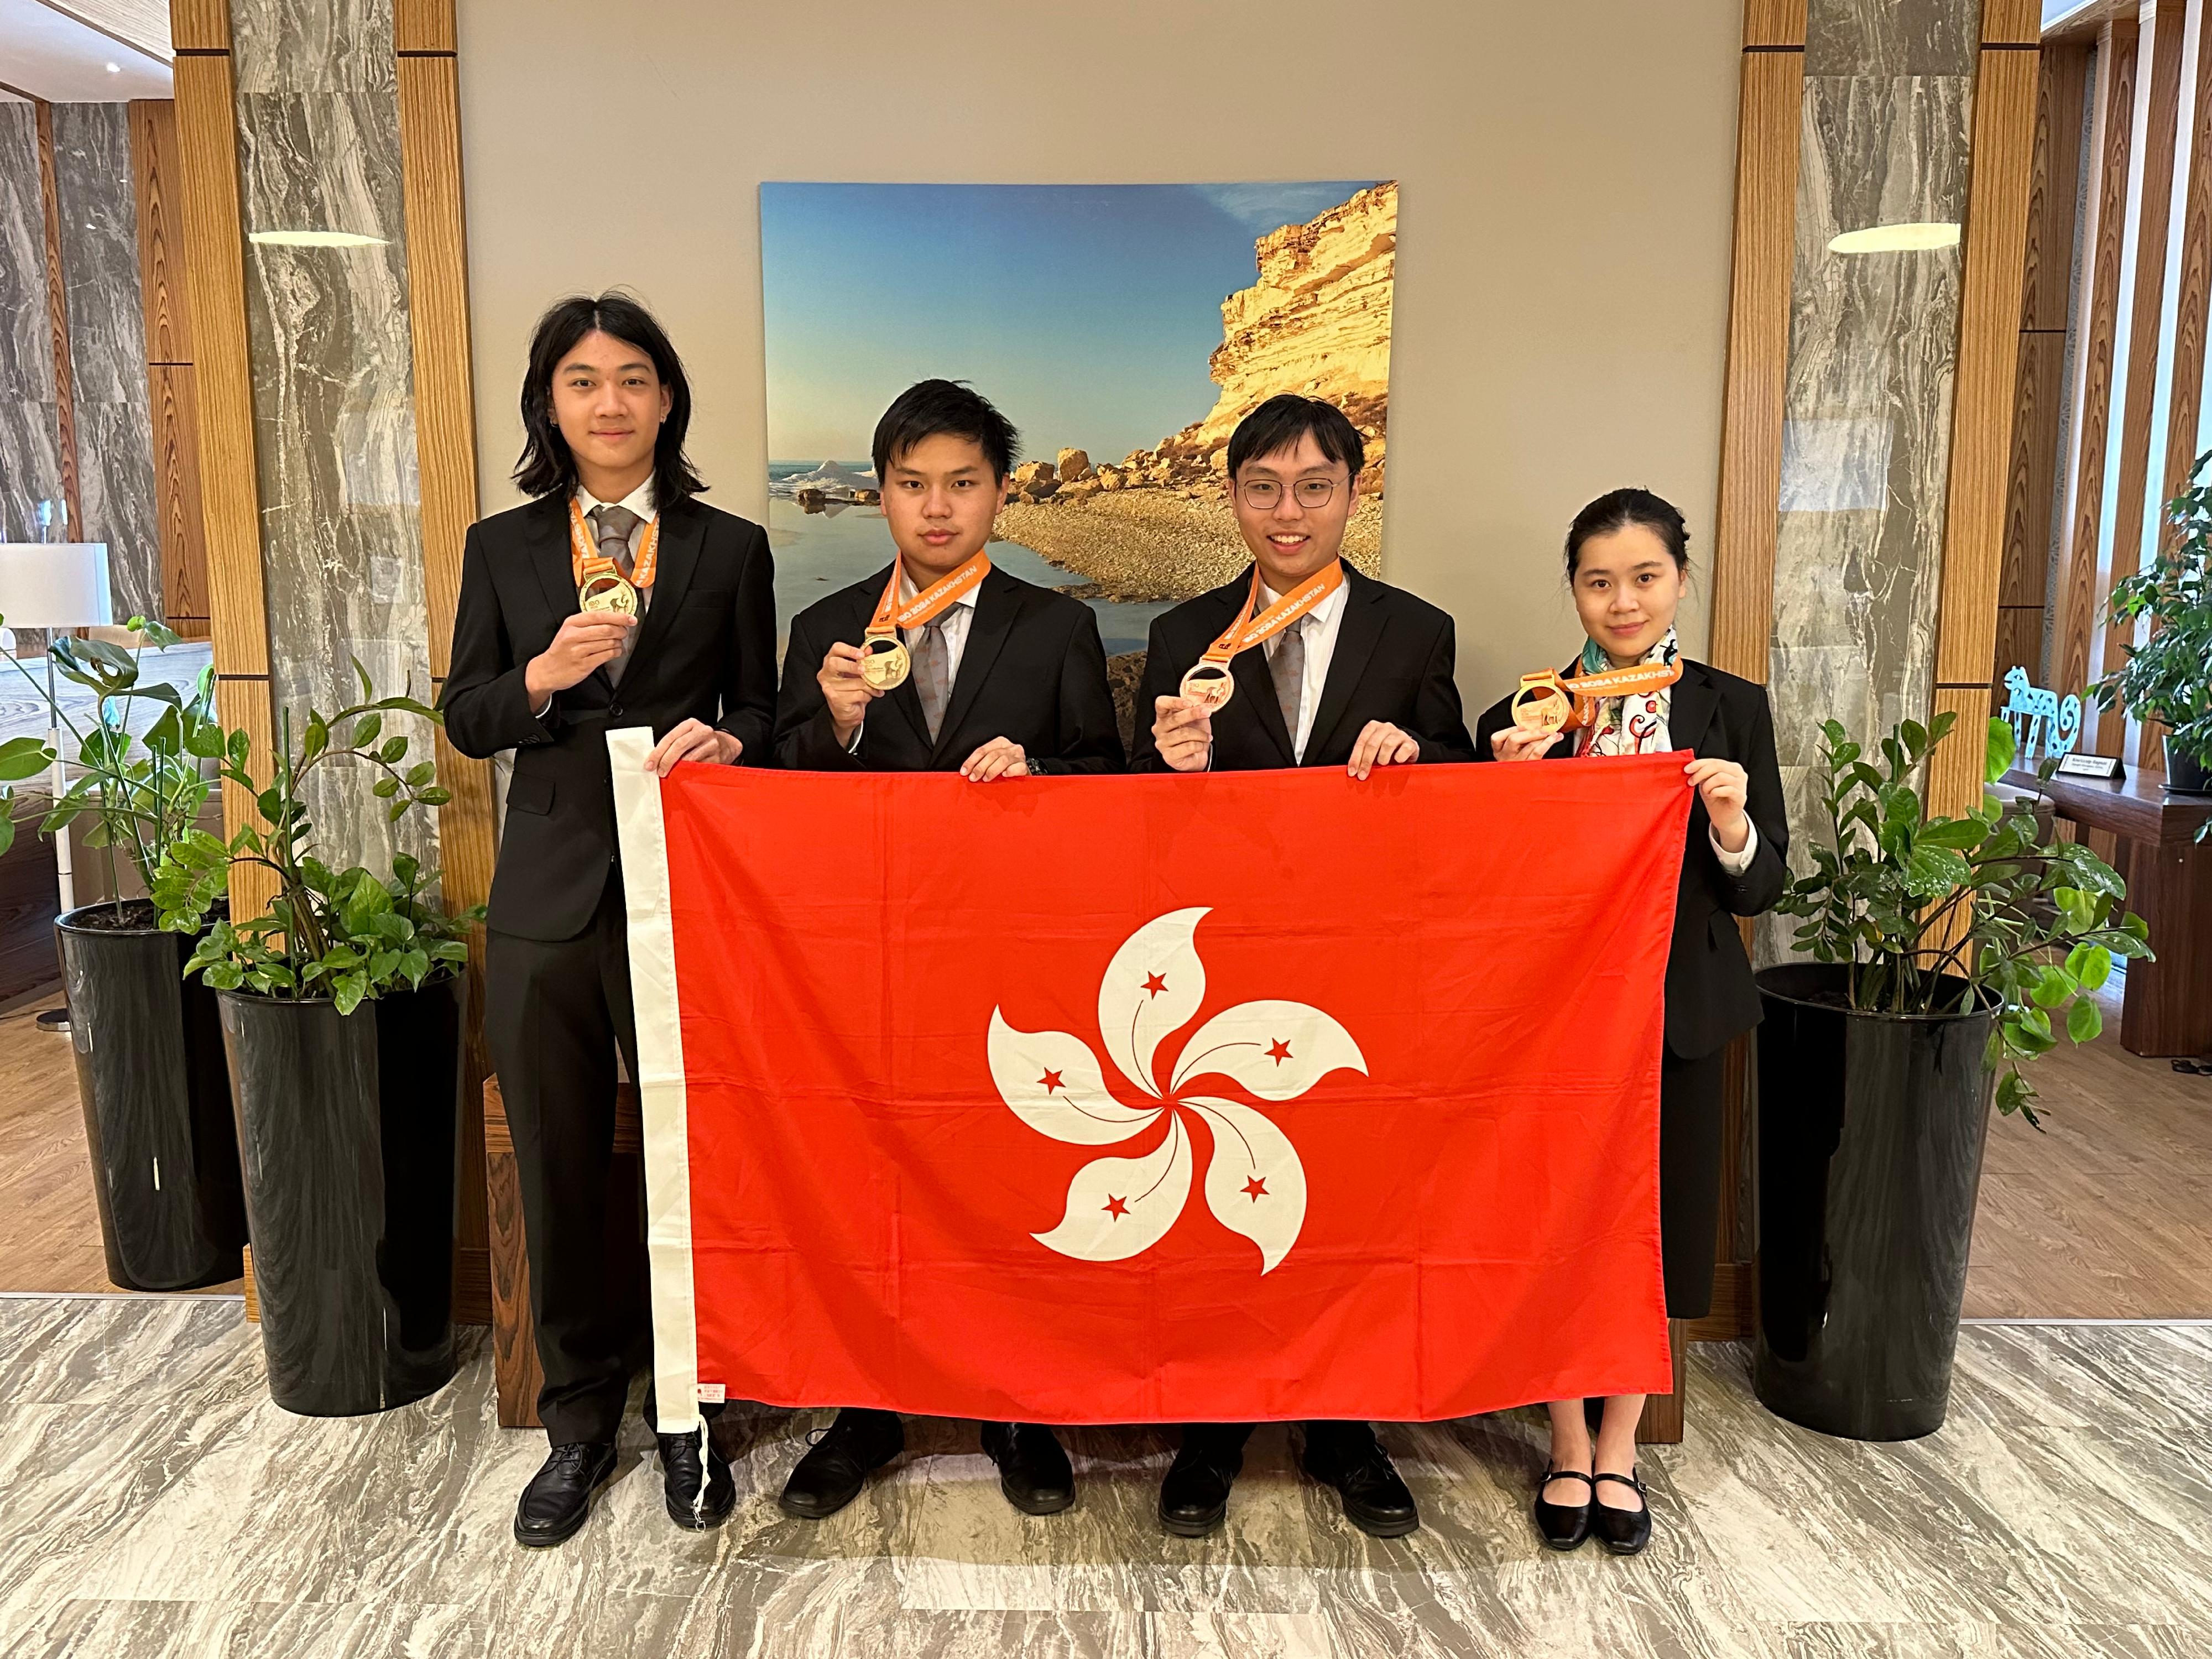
{"x":615,"y":525}
{"x":932,"y":673}
{"x":1287,"y":667}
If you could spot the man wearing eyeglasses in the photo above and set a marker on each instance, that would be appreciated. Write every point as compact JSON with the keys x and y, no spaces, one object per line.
{"x":1324,"y":667}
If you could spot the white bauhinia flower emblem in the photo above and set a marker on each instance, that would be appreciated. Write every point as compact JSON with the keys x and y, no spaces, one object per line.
{"x":1254,"y":1184}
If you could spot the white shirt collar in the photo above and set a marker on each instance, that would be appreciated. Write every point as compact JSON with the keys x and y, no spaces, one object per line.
{"x":1323,"y":613}
{"x":639,"y":501}
{"x":908,"y":589}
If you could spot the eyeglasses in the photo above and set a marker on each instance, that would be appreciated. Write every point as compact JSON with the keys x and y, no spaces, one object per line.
{"x":1264,"y":495}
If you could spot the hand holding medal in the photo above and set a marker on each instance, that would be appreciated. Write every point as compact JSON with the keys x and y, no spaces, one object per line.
{"x":1549,"y":704}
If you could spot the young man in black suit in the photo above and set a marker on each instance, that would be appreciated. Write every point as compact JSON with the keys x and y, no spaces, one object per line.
{"x":614,"y":599}
{"x":941,"y":662}
{"x":1325,"y":667}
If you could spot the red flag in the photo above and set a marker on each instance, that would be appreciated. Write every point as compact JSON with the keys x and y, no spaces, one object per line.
{"x":1251,"y":1095}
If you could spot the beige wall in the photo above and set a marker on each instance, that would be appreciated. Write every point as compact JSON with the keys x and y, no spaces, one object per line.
{"x":1566,"y":172}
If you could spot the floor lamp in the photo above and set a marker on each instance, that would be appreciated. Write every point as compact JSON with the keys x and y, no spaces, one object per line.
{"x":56,"y":586}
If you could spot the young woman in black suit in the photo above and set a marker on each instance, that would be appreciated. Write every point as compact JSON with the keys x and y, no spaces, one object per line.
{"x":1628,"y":564}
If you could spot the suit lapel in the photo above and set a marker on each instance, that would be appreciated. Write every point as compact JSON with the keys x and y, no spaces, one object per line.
{"x":903,"y":697}
{"x":998,"y":601}
{"x":682,"y":534}
{"x":1357,"y":634}
{"x":546,"y":535}
{"x":1690,"y":706}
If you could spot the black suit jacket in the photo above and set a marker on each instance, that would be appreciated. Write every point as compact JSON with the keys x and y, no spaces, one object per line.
{"x":1393,"y":662}
{"x":1709,"y":994}
{"x":705,"y":651}
{"x":1033,"y":670}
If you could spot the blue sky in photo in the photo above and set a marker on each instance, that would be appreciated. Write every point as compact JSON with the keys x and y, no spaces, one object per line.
{"x":1085,"y":311}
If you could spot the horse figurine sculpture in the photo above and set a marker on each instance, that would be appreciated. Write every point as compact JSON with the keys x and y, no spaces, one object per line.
{"x":2040,"y":718}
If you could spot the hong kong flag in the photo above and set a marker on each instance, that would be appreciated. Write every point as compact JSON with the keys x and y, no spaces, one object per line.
{"x":1217,"y":1098}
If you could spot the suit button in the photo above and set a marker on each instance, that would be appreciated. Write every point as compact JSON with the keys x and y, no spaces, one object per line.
{"x":614,"y":708}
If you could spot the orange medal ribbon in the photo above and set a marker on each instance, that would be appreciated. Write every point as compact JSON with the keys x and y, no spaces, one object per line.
{"x":884,"y":661}
{"x":601,"y":585}
{"x":1208,"y":683}
{"x":1552,"y":703}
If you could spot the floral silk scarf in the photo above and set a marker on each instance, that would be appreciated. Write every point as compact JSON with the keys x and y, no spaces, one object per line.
{"x":1633,"y":724}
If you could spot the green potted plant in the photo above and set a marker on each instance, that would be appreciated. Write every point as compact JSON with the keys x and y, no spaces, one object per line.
{"x":149,"y":1047}
{"x":1947,"y":953}
{"x":344,"y":1009}
{"x":2168,"y":676}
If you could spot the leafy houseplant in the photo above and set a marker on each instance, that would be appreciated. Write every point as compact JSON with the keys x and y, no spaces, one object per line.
{"x":1946,"y":954}
{"x":2168,"y":676}
{"x":143,"y":789}
{"x":1937,"y":915}
{"x":344,"y":1013}
{"x":348,"y":934}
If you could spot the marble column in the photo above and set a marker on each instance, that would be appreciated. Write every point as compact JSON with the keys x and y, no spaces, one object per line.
{"x":98,"y":218}
{"x":30,"y":418}
{"x":1874,"y":344}
{"x":333,"y":376}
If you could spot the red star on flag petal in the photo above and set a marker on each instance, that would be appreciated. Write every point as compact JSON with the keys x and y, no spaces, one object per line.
{"x":1257,"y":1187}
{"x":1050,"y":1081}
{"x":1154,"y":984}
{"x":1115,"y":1208}
{"x":1278,"y":1051}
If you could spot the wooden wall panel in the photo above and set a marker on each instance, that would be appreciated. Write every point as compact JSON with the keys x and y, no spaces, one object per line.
{"x":230,"y":516}
{"x":155,"y":171}
{"x":1954,"y":771}
{"x":177,"y":498}
{"x":2012,"y":22}
{"x":2039,"y":403}
{"x":445,"y":455}
{"x":1989,"y":361}
{"x":154,"y":165}
{"x":197,"y":26}
{"x":2145,"y":309}
{"x":1774,"y":22}
{"x":58,"y":326}
{"x":2076,"y":600}
{"x":2193,"y":282}
{"x":1741,"y":619}
{"x":2054,"y":185}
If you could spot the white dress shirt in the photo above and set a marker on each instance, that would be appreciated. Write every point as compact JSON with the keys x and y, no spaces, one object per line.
{"x":1321,"y":625}
{"x":953,"y":623}
{"x":639,"y":501}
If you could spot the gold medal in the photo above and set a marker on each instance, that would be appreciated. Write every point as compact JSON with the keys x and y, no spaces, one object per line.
{"x":607,"y":592}
{"x":884,"y":662}
{"x":1540,"y":704}
{"x":1209,"y":685}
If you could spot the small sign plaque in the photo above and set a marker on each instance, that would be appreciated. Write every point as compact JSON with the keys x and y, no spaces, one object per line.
{"x":2090,"y":766}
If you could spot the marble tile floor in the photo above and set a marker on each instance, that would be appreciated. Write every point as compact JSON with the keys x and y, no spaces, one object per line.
{"x":153,"y":1502}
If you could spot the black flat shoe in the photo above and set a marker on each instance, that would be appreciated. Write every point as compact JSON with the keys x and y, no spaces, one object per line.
{"x":1624,"y":1532}
{"x":1033,"y":1467}
{"x":831,"y":1475}
{"x":1375,"y":1500}
{"x":1195,"y":1496}
{"x":1563,"y":1526}
{"x":558,"y":1500}
{"x":697,"y":1498}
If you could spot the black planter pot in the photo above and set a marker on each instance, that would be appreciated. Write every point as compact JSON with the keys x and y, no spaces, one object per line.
{"x":156,"y":1097}
{"x":2184,"y":773}
{"x":348,"y":1126}
{"x":1870,"y":1133}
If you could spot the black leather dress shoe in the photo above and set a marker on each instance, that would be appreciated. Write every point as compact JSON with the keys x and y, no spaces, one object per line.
{"x":1033,"y":1468}
{"x":1563,"y":1526}
{"x":831,"y":1475}
{"x":1375,"y":1500}
{"x":1194,"y":1497}
{"x":698,"y":1498}
{"x":1625,"y":1532}
{"x":558,"y":1498}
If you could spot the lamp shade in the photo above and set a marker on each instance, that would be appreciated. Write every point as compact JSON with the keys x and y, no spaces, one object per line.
{"x":54,"y":585}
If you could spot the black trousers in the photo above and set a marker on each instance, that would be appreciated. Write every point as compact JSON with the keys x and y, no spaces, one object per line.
{"x":555,"y":1016}
{"x":1689,"y":1179}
